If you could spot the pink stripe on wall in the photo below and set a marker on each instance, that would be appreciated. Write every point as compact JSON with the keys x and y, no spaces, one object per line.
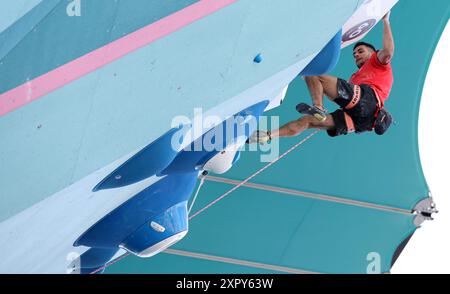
{"x":59,"y":77}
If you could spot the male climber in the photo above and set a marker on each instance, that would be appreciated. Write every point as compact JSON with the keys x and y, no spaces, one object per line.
{"x":361,"y":98}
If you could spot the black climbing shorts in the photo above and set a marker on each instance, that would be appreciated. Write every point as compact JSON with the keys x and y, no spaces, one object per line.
{"x":353,"y":117}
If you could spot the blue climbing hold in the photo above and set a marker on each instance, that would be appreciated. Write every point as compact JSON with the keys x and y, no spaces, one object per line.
{"x":258,"y":58}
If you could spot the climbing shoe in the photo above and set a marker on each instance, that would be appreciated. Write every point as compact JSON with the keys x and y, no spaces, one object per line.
{"x":319,"y":114}
{"x":260,"y":137}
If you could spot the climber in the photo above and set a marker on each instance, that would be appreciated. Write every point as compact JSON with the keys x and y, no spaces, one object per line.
{"x":361,"y":99}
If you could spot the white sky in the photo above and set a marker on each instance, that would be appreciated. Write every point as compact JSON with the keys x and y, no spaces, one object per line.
{"x":429,"y":249}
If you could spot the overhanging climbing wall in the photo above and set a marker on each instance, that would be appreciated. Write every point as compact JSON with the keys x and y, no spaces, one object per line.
{"x":260,"y":231}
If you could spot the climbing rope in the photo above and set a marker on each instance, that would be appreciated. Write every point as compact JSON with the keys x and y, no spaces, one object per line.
{"x":254,"y":175}
{"x":202,"y":181}
{"x":226,"y":194}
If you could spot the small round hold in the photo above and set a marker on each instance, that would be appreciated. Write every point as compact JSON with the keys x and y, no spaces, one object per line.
{"x":258,"y":58}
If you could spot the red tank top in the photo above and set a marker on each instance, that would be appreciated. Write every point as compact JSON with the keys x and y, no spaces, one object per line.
{"x":377,"y":75}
